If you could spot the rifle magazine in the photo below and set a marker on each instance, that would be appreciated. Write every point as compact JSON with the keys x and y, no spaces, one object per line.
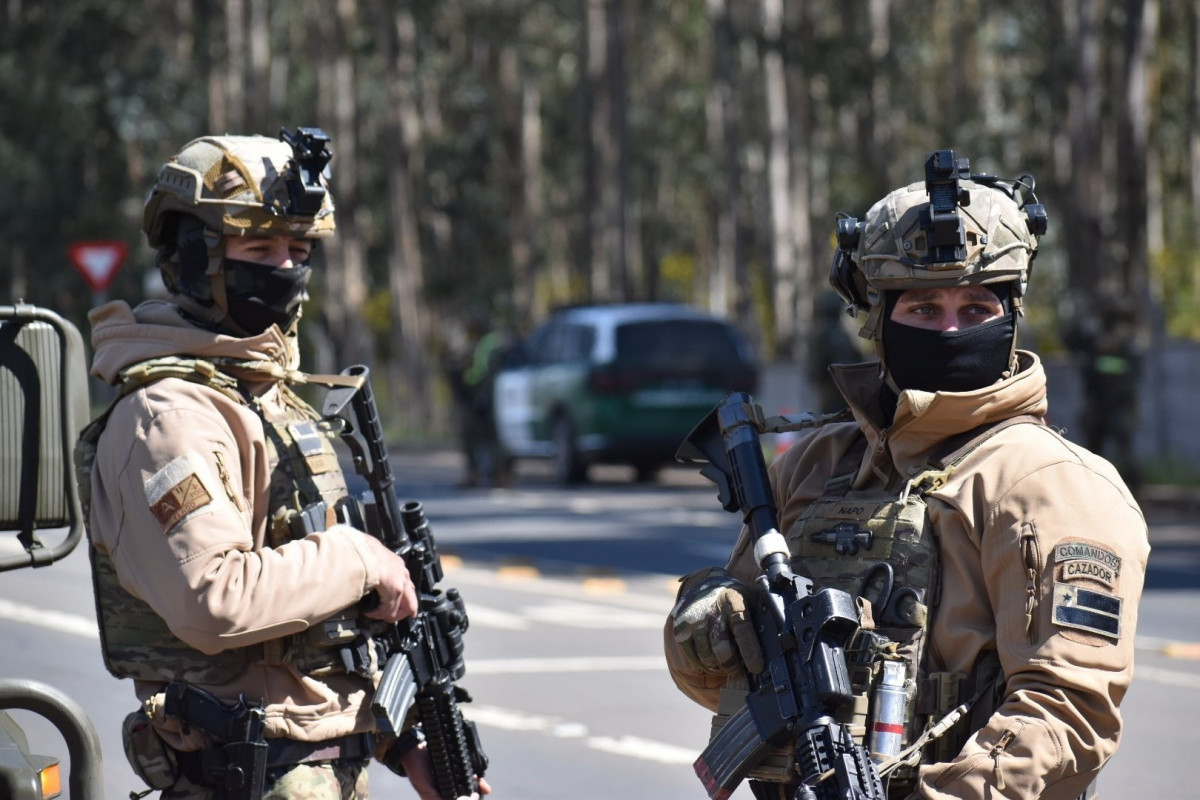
{"x":395,"y":695}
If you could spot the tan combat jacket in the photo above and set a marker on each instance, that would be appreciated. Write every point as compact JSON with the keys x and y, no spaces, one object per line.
{"x":202,"y":566}
{"x":1025,"y":500}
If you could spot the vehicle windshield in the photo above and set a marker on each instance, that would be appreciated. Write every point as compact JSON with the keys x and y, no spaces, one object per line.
{"x":677,"y":343}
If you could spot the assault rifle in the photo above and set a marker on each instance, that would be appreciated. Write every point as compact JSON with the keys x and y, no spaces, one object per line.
{"x":425,"y":653}
{"x":803,"y":635}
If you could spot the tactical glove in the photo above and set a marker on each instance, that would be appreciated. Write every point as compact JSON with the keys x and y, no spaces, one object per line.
{"x":714,"y":631}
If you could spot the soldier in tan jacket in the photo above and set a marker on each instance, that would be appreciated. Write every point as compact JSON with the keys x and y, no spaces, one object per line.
{"x":207,"y":570}
{"x":1018,"y":590}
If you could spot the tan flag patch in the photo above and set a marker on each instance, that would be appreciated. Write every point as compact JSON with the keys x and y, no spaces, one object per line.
{"x":180,"y":500}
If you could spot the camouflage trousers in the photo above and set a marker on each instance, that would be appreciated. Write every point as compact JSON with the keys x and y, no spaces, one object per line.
{"x":320,"y":780}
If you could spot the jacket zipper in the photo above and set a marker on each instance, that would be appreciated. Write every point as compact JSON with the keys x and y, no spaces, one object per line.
{"x":998,"y":750}
{"x":1032,"y":559}
{"x":225,"y":481}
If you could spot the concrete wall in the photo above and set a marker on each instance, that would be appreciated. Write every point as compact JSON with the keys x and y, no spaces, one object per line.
{"x":1170,"y":393}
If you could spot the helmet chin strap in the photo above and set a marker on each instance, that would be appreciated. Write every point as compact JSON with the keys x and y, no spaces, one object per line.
{"x":884,"y":374}
{"x":219,"y":312}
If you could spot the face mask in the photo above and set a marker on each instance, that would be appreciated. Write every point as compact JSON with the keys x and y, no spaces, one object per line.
{"x":954,"y":361}
{"x":260,"y":296}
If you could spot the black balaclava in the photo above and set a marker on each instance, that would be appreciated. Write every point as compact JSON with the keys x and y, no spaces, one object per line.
{"x":949,"y":361}
{"x":258,"y":295}
{"x":261,"y":295}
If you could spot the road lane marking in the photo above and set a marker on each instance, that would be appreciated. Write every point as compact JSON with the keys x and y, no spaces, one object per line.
{"x":513,"y":666}
{"x":78,"y":625}
{"x":586,"y":615}
{"x":486,"y":617}
{"x":568,"y":588}
{"x":53,"y":620}
{"x":643,"y":748}
{"x":629,"y":746}
{"x":1189,"y":650}
{"x":1187,"y":680}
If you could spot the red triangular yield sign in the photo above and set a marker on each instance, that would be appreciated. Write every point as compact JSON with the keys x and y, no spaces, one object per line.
{"x":98,"y":262}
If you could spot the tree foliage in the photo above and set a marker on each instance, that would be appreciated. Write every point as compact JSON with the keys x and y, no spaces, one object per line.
{"x":494,"y":158}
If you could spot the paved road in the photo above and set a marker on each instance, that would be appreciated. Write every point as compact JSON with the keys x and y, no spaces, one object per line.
{"x":567,"y":591}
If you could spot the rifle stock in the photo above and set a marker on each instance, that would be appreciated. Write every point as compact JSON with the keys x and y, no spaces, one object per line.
{"x":425,"y":653}
{"x":803,"y":634}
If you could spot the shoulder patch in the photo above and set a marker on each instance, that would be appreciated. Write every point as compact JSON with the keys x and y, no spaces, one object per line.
{"x":1083,"y":551}
{"x":176,"y":491}
{"x":1087,"y":610}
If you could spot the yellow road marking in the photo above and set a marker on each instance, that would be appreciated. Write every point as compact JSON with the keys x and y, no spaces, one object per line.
{"x":1182,"y":650}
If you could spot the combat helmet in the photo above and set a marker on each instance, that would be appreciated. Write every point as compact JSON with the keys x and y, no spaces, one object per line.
{"x":234,"y":185}
{"x":955,"y":229}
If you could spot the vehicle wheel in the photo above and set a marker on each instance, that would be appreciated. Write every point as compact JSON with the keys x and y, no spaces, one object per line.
{"x":646,"y":472}
{"x":568,"y":466}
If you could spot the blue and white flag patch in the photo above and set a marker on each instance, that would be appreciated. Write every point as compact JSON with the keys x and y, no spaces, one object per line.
{"x":1087,"y":610}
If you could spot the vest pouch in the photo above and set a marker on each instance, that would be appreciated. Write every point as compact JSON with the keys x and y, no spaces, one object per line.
{"x":148,"y":755}
{"x":877,"y":547}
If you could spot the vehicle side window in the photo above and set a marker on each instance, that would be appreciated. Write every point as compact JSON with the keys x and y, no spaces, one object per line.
{"x":537,"y":350}
{"x":578,"y":342}
{"x":690,"y":343}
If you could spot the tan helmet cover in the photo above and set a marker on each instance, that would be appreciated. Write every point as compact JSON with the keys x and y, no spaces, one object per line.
{"x":235,"y":185}
{"x":892,"y":247}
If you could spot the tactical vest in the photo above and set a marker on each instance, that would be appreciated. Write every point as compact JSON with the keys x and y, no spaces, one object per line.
{"x":878,"y":546}
{"x":306,"y":488}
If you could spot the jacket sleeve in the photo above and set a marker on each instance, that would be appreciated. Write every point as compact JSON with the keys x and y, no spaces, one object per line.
{"x":178,"y":518}
{"x":1062,"y":553}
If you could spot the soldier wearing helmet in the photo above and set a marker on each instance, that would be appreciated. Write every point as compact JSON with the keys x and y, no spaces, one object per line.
{"x":998,"y":566}
{"x":227,"y":585}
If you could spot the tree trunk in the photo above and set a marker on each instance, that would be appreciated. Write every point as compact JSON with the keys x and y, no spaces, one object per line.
{"x":622,"y":250}
{"x":783,"y":256}
{"x":1141,"y":18}
{"x":235,"y":67}
{"x":1193,"y":173}
{"x":1141,"y":32}
{"x":345,"y":285}
{"x":811,"y":252}
{"x":604,"y":208}
{"x":409,"y":367}
{"x":881,"y":154}
{"x":723,"y":145}
{"x":1085,"y":263}
{"x":261,"y":115}
{"x":528,"y":252}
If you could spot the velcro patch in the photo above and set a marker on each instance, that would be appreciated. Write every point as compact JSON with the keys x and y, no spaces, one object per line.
{"x":1087,"y":610}
{"x":176,"y":491}
{"x":307,"y":438}
{"x":1082,"y":569}
{"x":1082,"y":551}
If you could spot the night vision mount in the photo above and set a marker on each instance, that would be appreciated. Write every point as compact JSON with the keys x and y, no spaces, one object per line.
{"x":310,"y":156}
{"x":940,"y":219}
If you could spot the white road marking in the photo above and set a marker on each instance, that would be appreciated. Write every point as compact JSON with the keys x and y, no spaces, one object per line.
{"x":569,"y":588}
{"x":644,"y":749}
{"x":78,"y":625}
{"x":629,"y":746}
{"x":486,"y":617}
{"x":1188,"y":680}
{"x":525,"y":666}
{"x":53,"y":620}
{"x":584,"y":615}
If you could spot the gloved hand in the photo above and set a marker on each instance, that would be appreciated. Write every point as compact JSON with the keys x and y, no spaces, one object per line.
{"x":714,"y":631}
